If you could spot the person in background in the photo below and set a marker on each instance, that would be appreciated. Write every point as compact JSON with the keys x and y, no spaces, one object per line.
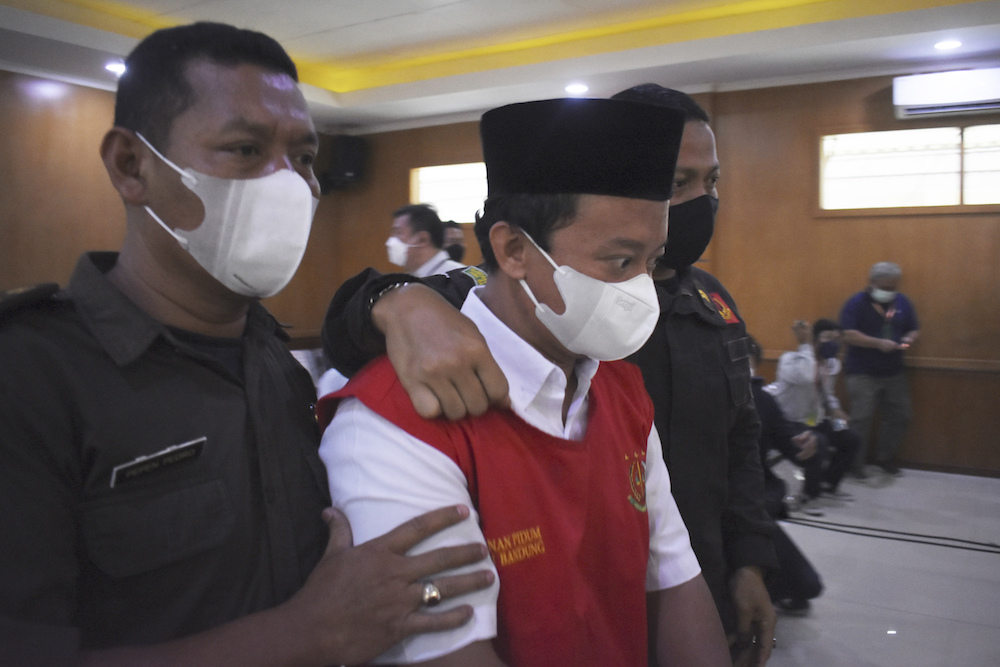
{"x":569,"y":486}
{"x":879,"y":325}
{"x":454,"y":240}
{"x":417,"y":241}
{"x":795,"y":582}
{"x":161,"y":494}
{"x":804,"y":388}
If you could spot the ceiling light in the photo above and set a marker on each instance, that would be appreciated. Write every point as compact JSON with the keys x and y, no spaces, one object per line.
{"x":43,"y":90}
{"x":577,"y":88}
{"x":948,"y":45}
{"x":116,"y":67}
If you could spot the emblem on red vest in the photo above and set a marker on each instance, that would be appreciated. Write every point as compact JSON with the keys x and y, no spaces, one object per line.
{"x":637,"y":483}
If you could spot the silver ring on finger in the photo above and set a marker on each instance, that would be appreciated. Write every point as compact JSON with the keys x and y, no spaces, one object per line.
{"x":431,"y":595}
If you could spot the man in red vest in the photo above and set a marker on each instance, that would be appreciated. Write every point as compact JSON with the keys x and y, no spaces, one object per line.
{"x":569,"y":487}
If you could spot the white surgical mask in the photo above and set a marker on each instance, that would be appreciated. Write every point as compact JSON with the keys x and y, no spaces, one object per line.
{"x":603,"y":321}
{"x":882,"y":295}
{"x":254,"y":232}
{"x":398,"y":250}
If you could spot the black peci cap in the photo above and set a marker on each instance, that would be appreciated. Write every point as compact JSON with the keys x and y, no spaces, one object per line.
{"x":582,"y":146}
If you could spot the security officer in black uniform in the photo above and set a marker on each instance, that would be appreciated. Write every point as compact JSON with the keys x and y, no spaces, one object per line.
{"x":696,"y":368}
{"x":161,"y":496}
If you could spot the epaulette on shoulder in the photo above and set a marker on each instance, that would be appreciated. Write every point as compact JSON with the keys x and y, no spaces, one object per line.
{"x":23,"y":298}
{"x":477,"y":274}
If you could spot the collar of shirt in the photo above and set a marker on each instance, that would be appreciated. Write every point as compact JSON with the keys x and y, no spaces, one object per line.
{"x":537,"y":386}
{"x":439,"y":263}
{"x":123,"y":329}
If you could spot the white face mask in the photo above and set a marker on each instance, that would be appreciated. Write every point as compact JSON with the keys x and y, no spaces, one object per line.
{"x":398,"y":250}
{"x":882,"y":295}
{"x":254,"y":232}
{"x":603,"y":321}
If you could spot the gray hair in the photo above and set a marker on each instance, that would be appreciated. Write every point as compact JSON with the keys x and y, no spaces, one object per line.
{"x":884,"y":270}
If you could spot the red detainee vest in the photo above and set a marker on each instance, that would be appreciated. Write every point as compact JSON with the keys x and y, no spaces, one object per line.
{"x":565,"y":521}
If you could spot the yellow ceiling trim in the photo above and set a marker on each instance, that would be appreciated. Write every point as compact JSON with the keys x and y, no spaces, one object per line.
{"x":704,"y":23}
{"x":719,"y":20}
{"x":108,"y":16}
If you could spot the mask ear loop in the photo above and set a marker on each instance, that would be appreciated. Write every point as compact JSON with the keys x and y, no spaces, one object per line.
{"x":544,"y":254}
{"x":180,"y":239}
{"x":188,"y":180}
{"x":531,"y":295}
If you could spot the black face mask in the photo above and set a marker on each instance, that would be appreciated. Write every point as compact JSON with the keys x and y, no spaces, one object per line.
{"x":691,"y":226}
{"x":456,"y":251}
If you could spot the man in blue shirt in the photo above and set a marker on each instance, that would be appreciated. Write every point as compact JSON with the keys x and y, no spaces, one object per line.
{"x":879,"y":325}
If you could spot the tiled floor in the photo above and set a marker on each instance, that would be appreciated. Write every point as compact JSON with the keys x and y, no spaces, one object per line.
{"x":890,"y":603}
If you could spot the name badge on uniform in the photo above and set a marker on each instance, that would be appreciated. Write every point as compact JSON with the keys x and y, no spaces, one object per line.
{"x":150,"y":463}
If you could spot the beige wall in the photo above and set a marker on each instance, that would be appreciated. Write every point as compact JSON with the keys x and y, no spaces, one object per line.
{"x":779,"y":257}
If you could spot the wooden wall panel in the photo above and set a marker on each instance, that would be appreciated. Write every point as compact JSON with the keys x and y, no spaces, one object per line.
{"x":352,"y":225}
{"x":784,"y":261}
{"x":956,"y":420}
{"x":781,"y":259}
{"x":55,"y":197}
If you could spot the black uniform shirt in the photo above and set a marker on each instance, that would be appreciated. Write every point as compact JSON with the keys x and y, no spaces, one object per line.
{"x":104,"y":547}
{"x":697,"y":371}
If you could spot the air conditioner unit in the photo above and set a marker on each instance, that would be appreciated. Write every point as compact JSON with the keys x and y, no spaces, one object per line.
{"x":947,"y":93}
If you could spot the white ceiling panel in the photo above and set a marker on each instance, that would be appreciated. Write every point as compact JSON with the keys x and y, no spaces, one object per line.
{"x":337,"y":34}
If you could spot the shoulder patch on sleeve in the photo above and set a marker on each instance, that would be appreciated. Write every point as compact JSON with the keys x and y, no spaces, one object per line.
{"x":21,"y":298}
{"x":476,"y":274}
{"x":727,"y":313}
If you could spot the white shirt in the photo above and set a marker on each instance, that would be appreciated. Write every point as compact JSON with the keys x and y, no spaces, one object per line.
{"x":381,"y":476}
{"x":439,"y":263}
{"x":795,"y":387}
{"x":330,"y":381}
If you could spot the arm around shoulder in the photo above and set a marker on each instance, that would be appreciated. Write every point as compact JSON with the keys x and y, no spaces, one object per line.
{"x":441,"y":359}
{"x":350,"y":338}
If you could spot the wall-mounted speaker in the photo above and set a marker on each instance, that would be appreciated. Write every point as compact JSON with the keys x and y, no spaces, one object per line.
{"x":346,"y":167}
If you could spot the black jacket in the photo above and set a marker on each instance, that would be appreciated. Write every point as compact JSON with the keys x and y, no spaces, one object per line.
{"x":697,"y":371}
